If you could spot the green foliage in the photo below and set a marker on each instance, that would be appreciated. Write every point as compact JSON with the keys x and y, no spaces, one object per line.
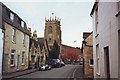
{"x":55,"y":51}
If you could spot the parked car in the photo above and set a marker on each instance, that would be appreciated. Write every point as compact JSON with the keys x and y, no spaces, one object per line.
{"x":56,"y":63}
{"x":81,"y":62}
{"x":62,"y":63}
{"x":44,"y":67}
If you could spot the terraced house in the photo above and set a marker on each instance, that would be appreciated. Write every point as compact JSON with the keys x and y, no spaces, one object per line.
{"x":106,"y":39}
{"x":16,"y":42}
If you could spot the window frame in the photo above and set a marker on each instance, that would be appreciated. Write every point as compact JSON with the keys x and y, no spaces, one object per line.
{"x":98,"y":59}
{"x":22,"y":24}
{"x":12,"y":16}
{"x":12,"y":60}
{"x":24,"y":37}
{"x":13,"y":35}
{"x":23,"y":58}
{"x":91,"y":65}
{"x":96,"y":20}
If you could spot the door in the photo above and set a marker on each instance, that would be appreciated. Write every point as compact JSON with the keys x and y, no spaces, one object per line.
{"x":106,"y":63}
{"x":18,"y":62}
{"x":5,"y":63}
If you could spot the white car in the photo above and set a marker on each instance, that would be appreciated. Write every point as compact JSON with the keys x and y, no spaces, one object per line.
{"x":44,"y":67}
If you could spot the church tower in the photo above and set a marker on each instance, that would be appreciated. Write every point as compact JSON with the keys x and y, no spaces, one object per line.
{"x":52,"y":31}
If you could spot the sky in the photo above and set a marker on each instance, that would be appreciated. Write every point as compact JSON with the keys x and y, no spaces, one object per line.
{"x":74,"y":15}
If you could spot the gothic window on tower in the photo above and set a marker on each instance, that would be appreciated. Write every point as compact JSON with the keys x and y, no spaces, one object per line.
{"x":50,"y":37}
{"x":50,"y":29}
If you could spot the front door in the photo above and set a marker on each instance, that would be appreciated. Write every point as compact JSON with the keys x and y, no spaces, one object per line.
{"x":5,"y":63}
{"x":107,"y":63}
{"x":18,"y":62}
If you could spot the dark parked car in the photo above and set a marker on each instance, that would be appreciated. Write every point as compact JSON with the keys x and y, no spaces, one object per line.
{"x":44,"y":67}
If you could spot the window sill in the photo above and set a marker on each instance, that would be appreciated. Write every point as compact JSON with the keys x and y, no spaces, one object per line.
{"x":13,"y":42}
{"x":96,"y":35}
{"x":91,"y":66}
{"x":12,"y":65}
{"x":117,"y":13}
{"x":22,"y":64}
{"x":98,"y":74}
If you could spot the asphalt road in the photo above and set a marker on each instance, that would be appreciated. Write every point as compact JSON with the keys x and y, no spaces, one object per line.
{"x":67,"y":71}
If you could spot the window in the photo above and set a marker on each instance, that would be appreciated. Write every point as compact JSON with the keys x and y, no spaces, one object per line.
{"x":13,"y":35}
{"x":49,"y":39}
{"x":91,"y":62}
{"x":23,"y":38}
{"x":11,"y":16}
{"x":22,"y":24}
{"x":97,"y":59}
{"x":50,"y":29}
{"x":12,"y":59}
{"x":23,"y":57}
{"x":96,"y":23}
{"x":118,"y":6}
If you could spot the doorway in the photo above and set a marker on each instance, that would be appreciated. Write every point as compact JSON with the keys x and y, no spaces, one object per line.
{"x":18,"y":62}
{"x":106,"y":63}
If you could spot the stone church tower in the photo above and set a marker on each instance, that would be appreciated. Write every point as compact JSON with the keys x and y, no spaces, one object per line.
{"x":52,"y":31}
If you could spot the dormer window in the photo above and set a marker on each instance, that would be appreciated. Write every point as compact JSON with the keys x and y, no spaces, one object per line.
{"x":11,"y":16}
{"x":22,"y":24}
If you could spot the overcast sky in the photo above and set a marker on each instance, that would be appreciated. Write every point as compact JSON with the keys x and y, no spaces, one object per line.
{"x":74,"y":15}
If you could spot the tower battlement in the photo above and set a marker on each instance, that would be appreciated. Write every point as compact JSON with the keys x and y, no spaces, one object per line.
{"x":53,"y":19}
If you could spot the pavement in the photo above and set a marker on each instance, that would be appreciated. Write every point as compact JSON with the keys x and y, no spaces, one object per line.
{"x":18,"y":73}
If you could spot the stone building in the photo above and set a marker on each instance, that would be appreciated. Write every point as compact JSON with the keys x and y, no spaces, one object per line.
{"x":52,"y":31}
{"x":38,"y":50}
{"x":16,"y":42}
{"x":87,"y":51}
{"x":106,"y":38}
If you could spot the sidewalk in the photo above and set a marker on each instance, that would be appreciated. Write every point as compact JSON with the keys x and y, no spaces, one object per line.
{"x":19,"y":73}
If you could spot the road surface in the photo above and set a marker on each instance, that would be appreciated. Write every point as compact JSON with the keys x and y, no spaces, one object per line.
{"x":66,"y":72}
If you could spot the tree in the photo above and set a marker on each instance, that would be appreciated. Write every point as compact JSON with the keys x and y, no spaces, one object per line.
{"x":54,"y":53}
{"x":70,"y":55}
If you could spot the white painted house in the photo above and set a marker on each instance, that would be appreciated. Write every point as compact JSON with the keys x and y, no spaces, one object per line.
{"x":106,"y":38}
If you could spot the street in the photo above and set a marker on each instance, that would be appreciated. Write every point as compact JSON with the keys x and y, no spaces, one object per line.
{"x":67,"y":71}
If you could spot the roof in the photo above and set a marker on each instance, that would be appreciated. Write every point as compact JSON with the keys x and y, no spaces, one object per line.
{"x":94,"y":6}
{"x":41,"y":42}
{"x":17,"y":20}
{"x":86,"y":34}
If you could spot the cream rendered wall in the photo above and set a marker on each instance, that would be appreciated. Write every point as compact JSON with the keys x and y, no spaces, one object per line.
{"x":108,"y":36}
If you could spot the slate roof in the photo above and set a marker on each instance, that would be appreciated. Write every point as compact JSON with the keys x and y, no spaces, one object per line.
{"x":17,"y":20}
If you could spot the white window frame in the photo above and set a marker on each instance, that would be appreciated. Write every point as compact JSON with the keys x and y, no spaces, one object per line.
{"x":96,"y":21}
{"x":23,"y":58}
{"x":22,"y":24}
{"x":13,"y":58}
{"x":91,"y":65}
{"x":13,"y":35}
{"x":98,"y":60}
{"x":12,"y":16}
{"x":24,"y":37}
